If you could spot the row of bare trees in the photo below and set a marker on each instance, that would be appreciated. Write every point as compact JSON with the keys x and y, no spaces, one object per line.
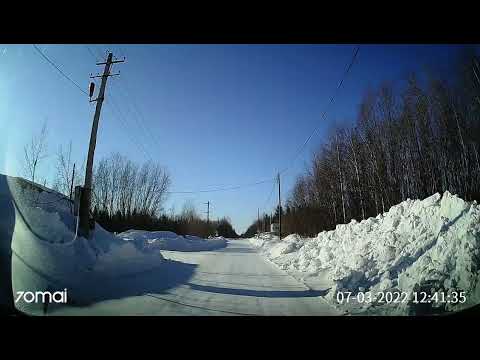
{"x":407,"y":143}
{"x":121,"y":186}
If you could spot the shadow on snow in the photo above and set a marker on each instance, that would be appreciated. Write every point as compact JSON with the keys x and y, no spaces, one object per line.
{"x":259,"y":293}
{"x":156,"y":280}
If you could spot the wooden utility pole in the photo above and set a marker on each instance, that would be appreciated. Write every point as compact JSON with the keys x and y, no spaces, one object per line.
{"x":279,"y":210}
{"x":71,"y":188}
{"x":71,"y":183}
{"x":86,"y":198}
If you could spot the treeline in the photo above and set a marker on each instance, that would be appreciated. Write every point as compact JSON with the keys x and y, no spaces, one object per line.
{"x":186,"y":223}
{"x":408,"y":143}
{"x":127,"y":196}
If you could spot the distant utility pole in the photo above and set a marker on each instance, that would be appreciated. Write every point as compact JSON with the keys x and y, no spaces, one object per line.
{"x":279,"y":210}
{"x":258,"y":220}
{"x":86,"y":198}
{"x":208,"y":212}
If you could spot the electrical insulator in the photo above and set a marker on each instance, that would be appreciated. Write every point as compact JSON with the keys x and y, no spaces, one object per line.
{"x":92,"y":88}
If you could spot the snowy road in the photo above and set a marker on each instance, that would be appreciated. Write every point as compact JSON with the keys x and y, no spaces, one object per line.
{"x":235,"y":280}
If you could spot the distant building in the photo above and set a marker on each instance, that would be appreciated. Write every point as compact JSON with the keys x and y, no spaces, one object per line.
{"x":274,"y":227}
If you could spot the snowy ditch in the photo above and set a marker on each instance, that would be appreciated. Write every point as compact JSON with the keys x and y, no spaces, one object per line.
{"x":45,"y":254}
{"x":430,"y":245}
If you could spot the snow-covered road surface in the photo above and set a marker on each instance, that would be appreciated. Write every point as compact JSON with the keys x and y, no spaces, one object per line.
{"x":235,"y":280}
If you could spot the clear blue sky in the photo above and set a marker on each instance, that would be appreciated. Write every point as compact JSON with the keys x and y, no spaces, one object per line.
{"x":216,"y":114}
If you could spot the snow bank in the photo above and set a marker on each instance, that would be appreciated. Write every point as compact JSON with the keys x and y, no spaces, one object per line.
{"x":167,"y":240}
{"x":431,"y":244}
{"x":46,"y":255}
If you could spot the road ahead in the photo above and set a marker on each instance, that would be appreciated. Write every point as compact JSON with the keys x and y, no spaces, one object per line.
{"x":235,"y":280}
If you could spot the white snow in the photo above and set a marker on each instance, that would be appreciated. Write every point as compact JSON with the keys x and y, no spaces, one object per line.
{"x":45,"y":252}
{"x":434,"y":242}
{"x":167,"y":240}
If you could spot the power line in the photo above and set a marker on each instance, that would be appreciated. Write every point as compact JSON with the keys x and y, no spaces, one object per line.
{"x":269,"y":197}
{"x":325,"y":111}
{"x":115,"y":103}
{"x":59,"y":70}
{"x":124,"y":124}
{"x":138,"y":114}
{"x":221,"y":189}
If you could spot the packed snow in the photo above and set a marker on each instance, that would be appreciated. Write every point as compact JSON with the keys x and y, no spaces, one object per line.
{"x":431,"y":244}
{"x":168,"y":240}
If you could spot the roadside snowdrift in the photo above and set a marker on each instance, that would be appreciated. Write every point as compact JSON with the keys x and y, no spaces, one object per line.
{"x":428,"y":244}
{"x":167,"y":240}
{"x":46,"y":255}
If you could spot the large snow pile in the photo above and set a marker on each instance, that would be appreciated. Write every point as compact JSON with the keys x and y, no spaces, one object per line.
{"x":429,"y":244}
{"x":38,"y":227}
{"x":167,"y":240}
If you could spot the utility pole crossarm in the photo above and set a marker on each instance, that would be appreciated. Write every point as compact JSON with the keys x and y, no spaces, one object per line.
{"x":112,"y":62}
{"x":99,"y":76}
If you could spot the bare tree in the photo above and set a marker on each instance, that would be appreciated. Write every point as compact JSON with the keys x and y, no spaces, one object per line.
{"x":101,"y":186}
{"x":352,"y":140}
{"x":189,"y":213}
{"x":34,"y":152}
{"x":340,"y":172}
{"x":63,"y":180}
